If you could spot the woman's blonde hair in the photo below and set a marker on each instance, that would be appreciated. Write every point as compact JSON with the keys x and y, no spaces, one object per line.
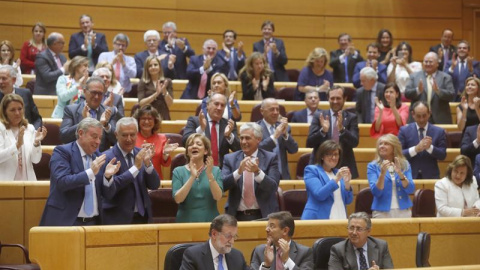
{"x":477,"y":81}
{"x":316,"y":54}
{"x":42,"y":26}
{"x":397,"y":150}
{"x":7,"y":99}
{"x":248,"y":68}
{"x":113,"y":79}
{"x":206,"y":144}
{"x":9,"y":44}
{"x":146,"y":75}
{"x":225,"y":81}
{"x":76,"y":62}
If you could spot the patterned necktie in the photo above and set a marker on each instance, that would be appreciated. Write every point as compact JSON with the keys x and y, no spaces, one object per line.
{"x":88,"y":207}
{"x":214,"y":142}
{"x":220,"y":262}
{"x":363,"y":261}
{"x":138,"y":194}
{"x":248,"y":194}
{"x":278,"y":260}
{"x":420,"y":133}
{"x":335,"y":132}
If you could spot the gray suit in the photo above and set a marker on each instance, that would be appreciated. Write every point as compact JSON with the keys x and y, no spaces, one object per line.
{"x":289,"y":145}
{"x":440,"y":107}
{"x":343,"y":256}
{"x":301,"y":255}
{"x":362,"y":99}
{"x":47,"y":73}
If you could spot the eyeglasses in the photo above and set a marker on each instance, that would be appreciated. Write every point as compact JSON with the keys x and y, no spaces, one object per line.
{"x":358,"y":229}
{"x":229,"y":236}
{"x":120,"y":45}
{"x":331,"y":155}
{"x":95,"y":93}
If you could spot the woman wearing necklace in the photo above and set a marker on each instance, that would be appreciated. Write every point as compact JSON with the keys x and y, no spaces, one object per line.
{"x":314,"y":76}
{"x":468,"y":111}
{"x":197,"y":186}
{"x":32,"y":47}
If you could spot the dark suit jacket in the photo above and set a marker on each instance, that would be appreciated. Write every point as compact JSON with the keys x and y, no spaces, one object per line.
{"x":289,"y":145}
{"x":265,"y":192}
{"x":119,"y":203}
{"x":47,"y":73}
{"x":301,"y":116}
{"x":67,"y":186}
{"x":339,"y":68}
{"x":199,"y":257}
{"x":181,"y":60}
{"x":476,"y":171}
{"x":381,"y":71}
{"x":424,"y":165}
{"x":248,"y":93}
{"x":348,"y":139}
{"x":194,"y":77}
{"x":117,"y":102}
{"x":467,"y":148}
{"x":238,"y":64}
{"x":72,"y":115}
{"x":140,"y":62}
{"x":342,"y":255}
{"x":459,"y":78}
{"x":361,"y":103}
{"x":224,"y":146}
{"x":30,"y":109}
{"x":440,"y":106}
{"x":279,"y":61}
{"x":301,"y":255}
{"x":78,"y":39}
{"x":451,"y":50}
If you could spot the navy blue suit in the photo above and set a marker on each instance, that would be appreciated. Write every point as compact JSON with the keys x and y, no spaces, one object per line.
{"x":181,"y":60}
{"x":218,"y":64}
{"x":119,"y":203}
{"x":30,"y":109}
{"x":279,"y":61}
{"x":459,"y":78}
{"x":140,"y":62}
{"x":381,"y":71}
{"x":467,"y":148}
{"x":451,"y":50}
{"x":78,"y":39}
{"x":265,"y":192}
{"x":237,"y":64}
{"x":339,"y":67}
{"x":424,"y":165}
{"x":301,"y":116}
{"x":67,"y":186}
{"x":199,"y":257}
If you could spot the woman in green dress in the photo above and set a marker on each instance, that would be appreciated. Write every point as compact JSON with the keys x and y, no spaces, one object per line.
{"x":197,"y":186}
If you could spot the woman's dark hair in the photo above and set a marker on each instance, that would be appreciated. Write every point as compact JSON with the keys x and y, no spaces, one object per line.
{"x":379,"y":38}
{"x":149,"y":110}
{"x":409,"y":48}
{"x":461,"y":161}
{"x":398,"y":101}
{"x":325,"y":148}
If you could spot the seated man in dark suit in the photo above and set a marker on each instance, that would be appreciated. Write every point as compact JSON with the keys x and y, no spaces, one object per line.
{"x":471,"y":142}
{"x":445,"y":49}
{"x":306,"y":115}
{"x":8,"y":76}
{"x":87,"y":43}
{"x":110,"y":99}
{"x":327,"y":125}
{"x":221,"y":132}
{"x":201,"y":68}
{"x":281,"y":247}
{"x":152,"y":39}
{"x":251,"y":176}
{"x":75,"y":184}
{"x":127,"y":201}
{"x":276,"y":135}
{"x":179,"y":47}
{"x":373,"y":52}
{"x":274,"y":51}
{"x":371,"y":88}
{"x":236,"y":56}
{"x":343,"y":60}
{"x":423,"y":144}
{"x":49,"y":65}
{"x":360,"y":250}
{"x":91,"y":107}
{"x":218,"y":252}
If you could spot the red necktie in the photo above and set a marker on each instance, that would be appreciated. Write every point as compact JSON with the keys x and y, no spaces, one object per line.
{"x":248,"y":195}
{"x":335,"y":133}
{"x":117,"y":70}
{"x":203,"y":86}
{"x":278,"y":260}
{"x":214,"y":142}
{"x":59,"y":63}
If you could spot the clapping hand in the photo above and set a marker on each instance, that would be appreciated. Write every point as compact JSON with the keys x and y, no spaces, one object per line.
{"x":229,"y":128}
{"x":112,"y":168}
{"x":324,"y":123}
{"x":21,"y":132}
{"x":40,"y":134}
{"x":169,"y":147}
{"x":379,"y":104}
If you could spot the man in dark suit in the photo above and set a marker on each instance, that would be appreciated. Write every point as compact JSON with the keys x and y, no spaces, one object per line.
{"x":274,"y":51}
{"x":179,"y":47}
{"x":251,"y":176}
{"x":327,"y":125}
{"x":434,"y":87}
{"x":462,"y":67}
{"x":276,"y":135}
{"x":280,"y":246}
{"x":87,"y":43}
{"x":445,"y":50}
{"x":91,"y":107}
{"x":200,"y":71}
{"x":8,"y":76}
{"x":218,"y":252}
{"x":49,"y":65}
{"x":127,"y":200}
{"x":167,"y":61}
{"x":306,"y":115}
{"x":343,"y":60}
{"x":470,"y":142}
{"x":76,"y":186}
{"x":236,"y":56}
{"x":373,"y":50}
{"x":110,"y":99}
{"x":371,"y":88}
{"x":423,"y":144}
{"x":214,"y":127}
{"x":360,"y":250}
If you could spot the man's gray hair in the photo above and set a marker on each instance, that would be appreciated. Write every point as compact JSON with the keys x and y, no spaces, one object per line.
{"x":126,"y":121}
{"x":369,"y":73}
{"x":210,"y":98}
{"x":171,"y":25}
{"x":11,"y":71}
{"x":151,"y":33}
{"x":87,"y":123}
{"x":257,"y":129}
{"x":52,"y":38}
{"x":361,"y":215}
{"x":99,"y":71}
{"x":209,"y":41}
{"x":265,"y":101}
{"x":95,"y":79}
{"x":121,"y":37}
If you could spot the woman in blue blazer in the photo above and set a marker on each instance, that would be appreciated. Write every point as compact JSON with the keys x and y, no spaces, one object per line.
{"x":328,"y":188}
{"x":390,"y":180}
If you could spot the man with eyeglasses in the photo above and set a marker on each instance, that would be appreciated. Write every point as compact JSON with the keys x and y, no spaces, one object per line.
{"x":280,"y":248}
{"x":360,"y":250}
{"x":123,"y":65}
{"x":167,"y":61}
{"x":218,"y":252}
{"x":49,"y":65}
{"x":91,"y":107}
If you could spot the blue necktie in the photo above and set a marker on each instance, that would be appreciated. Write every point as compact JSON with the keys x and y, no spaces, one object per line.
{"x":276,"y":150}
{"x":270,"y":60}
{"x":220,"y":262}
{"x":231,"y":73}
{"x":138,"y":194}
{"x":93,"y":113}
{"x":363,"y":261}
{"x":346,"y":69}
{"x":88,"y":207}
